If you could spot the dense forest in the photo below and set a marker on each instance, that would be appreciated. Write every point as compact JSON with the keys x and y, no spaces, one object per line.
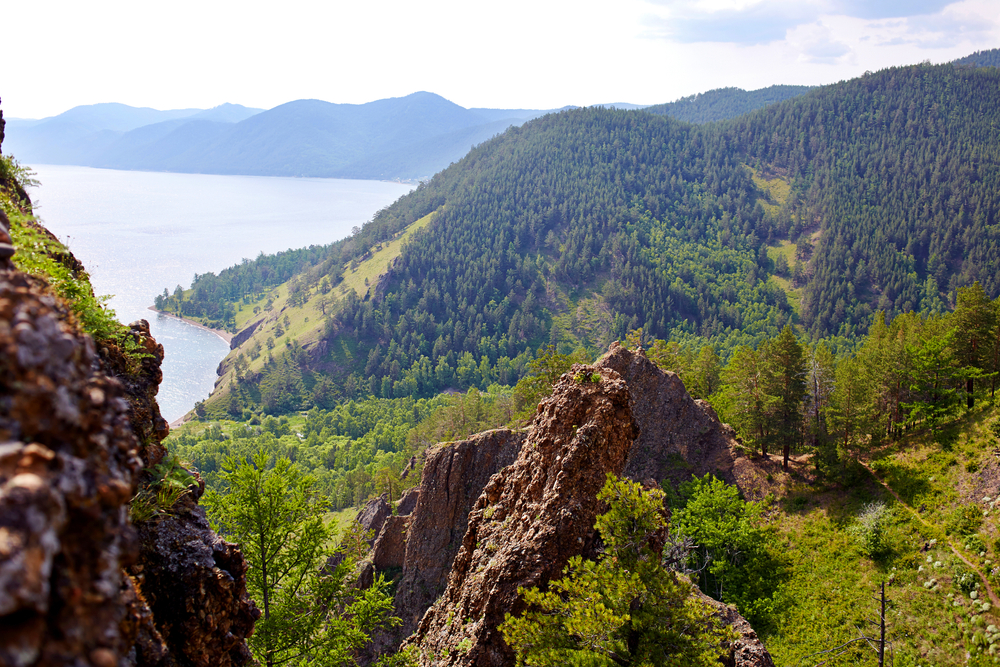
{"x":725,"y":103}
{"x":876,"y":194}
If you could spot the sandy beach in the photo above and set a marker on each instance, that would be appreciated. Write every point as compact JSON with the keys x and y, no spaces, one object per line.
{"x":224,"y":335}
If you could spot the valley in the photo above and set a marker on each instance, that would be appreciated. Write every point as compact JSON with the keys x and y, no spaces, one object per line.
{"x":615,"y":386}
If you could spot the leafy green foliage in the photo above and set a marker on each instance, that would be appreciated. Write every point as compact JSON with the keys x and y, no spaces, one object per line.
{"x":736,"y":554}
{"x":623,"y":609}
{"x":311,"y":615}
{"x":168,"y":482}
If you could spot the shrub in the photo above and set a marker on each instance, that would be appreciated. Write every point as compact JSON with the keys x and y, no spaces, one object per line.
{"x":870,"y":530}
{"x":966,"y":520}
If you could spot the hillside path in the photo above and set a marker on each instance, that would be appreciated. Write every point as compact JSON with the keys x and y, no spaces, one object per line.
{"x":993,"y":596}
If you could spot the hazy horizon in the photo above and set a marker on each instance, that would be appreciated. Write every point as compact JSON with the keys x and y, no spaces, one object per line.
{"x":525,"y":55}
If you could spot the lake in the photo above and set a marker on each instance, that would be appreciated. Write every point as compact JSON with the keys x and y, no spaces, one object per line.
{"x":140,"y":232}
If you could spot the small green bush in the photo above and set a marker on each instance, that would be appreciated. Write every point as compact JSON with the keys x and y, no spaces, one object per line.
{"x":870,"y":530}
{"x":966,"y":519}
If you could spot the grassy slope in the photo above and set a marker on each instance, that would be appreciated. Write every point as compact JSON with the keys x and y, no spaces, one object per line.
{"x":829,"y":592}
{"x":305,"y":322}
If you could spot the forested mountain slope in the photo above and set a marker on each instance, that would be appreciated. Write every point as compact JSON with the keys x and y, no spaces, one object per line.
{"x":896,"y":178}
{"x":725,"y":103}
{"x":879,"y":193}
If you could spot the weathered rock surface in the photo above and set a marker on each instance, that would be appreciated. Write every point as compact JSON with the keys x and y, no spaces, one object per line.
{"x":373,"y":515}
{"x":68,"y":465}
{"x":195,"y":585}
{"x":408,"y":501}
{"x":192,"y":581}
{"x":454,"y":475}
{"x":530,"y":519}
{"x":747,"y":650}
{"x":679,"y":436}
{"x":70,"y":461}
{"x":390,"y":546}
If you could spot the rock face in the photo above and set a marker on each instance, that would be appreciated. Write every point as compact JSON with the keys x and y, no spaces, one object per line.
{"x":531,"y":518}
{"x":679,"y":436}
{"x":80,"y":430}
{"x":747,"y":650}
{"x":194,"y":583}
{"x":454,"y":475}
{"x":373,"y":515}
{"x":68,"y":465}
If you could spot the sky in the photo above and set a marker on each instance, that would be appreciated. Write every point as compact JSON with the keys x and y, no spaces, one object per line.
{"x":532,"y":54}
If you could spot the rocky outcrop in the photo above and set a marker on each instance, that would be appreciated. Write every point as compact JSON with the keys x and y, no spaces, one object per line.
{"x":531,"y":517}
{"x":245,"y":334}
{"x":68,"y":465}
{"x":80,"y":431}
{"x":408,"y":501}
{"x":746,"y":650}
{"x":390,"y":547}
{"x":194,"y":583}
{"x":454,"y":475}
{"x":679,"y":436}
{"x":373,"y":515}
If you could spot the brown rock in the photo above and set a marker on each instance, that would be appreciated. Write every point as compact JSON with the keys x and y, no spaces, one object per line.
{"x":373,"y":515}
{"x":390,"y":546}
{"x":408,"y":501}
{"x":68,"y":462}
{"x":454,"y":475}
{"x":747,"y":650}
{"x":195,"y":585}
{"x":679,"y":436}
{"x":530,"y":519}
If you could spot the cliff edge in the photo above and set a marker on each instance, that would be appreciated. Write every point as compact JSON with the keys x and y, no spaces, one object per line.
{"x":81,"y":582}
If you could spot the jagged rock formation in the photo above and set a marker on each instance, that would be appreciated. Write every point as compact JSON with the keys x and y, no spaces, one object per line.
{"x":531,"y":517}
{"x":747,"y":649}
{"x":194,"y":583}
{"x":373,"y":515}
{"x":679,"y":436}
{"x":80,"y":430}
{"x":454,"y":476}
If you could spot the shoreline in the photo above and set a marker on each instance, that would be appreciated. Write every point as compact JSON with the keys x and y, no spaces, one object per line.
{"x":224,"y":335}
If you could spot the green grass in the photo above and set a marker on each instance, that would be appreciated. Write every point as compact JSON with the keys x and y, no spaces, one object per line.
{"x":829,"y":591}
{"x":776,"y":189}
{"x":306,"y":321}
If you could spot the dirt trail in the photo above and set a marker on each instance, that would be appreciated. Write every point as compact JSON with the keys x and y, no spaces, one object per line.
{"x":982,"y":577}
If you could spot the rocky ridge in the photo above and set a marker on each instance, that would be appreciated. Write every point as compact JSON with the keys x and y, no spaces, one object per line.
{"x":675,"y":437}
{"x":531,"y":518}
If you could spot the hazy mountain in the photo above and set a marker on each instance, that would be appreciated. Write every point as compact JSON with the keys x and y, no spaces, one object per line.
{"x":408,"y":137}
{"x":83,"y":133}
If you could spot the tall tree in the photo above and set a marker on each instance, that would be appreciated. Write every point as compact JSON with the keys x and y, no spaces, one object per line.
{"x":748,"y":380}
{"x":784,"y":355}
{"x":821,"y":368}
{"x":624,"y":609}
{"x":311,"y":614}
{"x":975,"y":320}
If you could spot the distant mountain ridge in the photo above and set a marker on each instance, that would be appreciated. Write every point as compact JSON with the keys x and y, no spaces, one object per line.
{"x":725,"y":103}
{"x":407,"y":137}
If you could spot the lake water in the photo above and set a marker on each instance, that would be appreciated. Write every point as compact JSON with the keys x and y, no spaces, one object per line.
{"x":140,"y":232}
